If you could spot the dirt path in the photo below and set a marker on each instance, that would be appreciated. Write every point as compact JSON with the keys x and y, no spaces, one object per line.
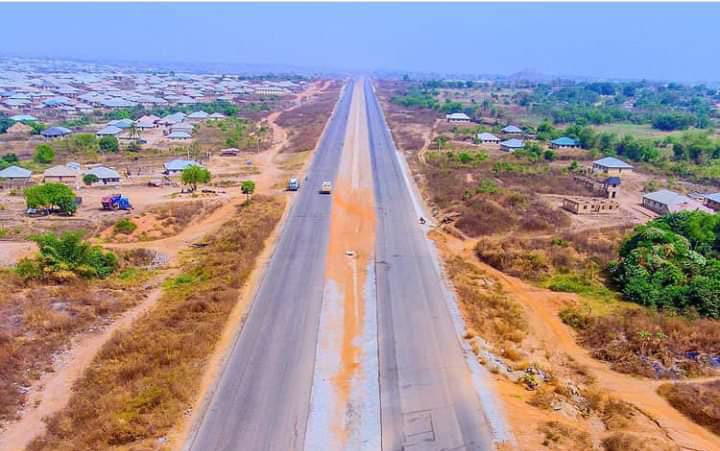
{"x":54,"y":389}
{"x":542,"y":307}
{"x":12,"y":251}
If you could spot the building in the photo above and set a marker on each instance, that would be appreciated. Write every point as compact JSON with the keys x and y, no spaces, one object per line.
{"x":229,"y":152}
{"x":457,"y":117}
{"x":610,"y":166}
{"x":14,"y":176}
{"x":55,"y":132}
{"x":608,"y":187}
{"x":176,"y":166}
{"x":198,"y":116}
{"x":564,"y":143}
{"x":106,"y":176}
{"x":61,"y":174}
{"x":665,"y":201}
{"x":713,"y":201}
{"x":487,"y":138}
{"x":146,"y":121}
{"x":512,"y":130}
{"x":19,"y":129}
{"x":23,"y":118}
{"x":179,"y":135}
{"x":589,"y":205}
{"x":216,"y":116}
{"x":511,"y":145}
{"x":184,"y":127}
{"x":109,"y":130}
{"x":122,"y":123}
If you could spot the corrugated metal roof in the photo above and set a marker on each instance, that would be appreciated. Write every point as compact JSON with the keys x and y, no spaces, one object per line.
{"x":513,"y":143}
{"x":179,"y":165}
{"x":512,"y":129}
{"x":15,"y":172}
{"x":612,"y":162}
{"x":488,"y":137}
{"x":102,"y":172}
{"x":564,"y":141}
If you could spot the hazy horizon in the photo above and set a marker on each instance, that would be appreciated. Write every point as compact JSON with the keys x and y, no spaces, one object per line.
{"x":652,"y":41}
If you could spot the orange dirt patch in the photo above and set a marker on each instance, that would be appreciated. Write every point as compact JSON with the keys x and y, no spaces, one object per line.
{"x":350,"y":247}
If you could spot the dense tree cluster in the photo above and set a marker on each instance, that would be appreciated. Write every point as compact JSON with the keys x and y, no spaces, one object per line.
{"x":673,"y":263}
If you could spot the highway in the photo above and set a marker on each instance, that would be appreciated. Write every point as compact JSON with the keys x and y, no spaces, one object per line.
{"x":261,"y":400}
{"x":425,"y":398}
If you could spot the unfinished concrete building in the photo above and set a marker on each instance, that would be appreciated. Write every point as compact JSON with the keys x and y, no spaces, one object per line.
{"x":589,"y":205}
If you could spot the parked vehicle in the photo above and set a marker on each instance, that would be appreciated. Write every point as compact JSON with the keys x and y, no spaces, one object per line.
{"x":116,"y":202}
{"x":326,"y":188}
{"x":293,"y":184}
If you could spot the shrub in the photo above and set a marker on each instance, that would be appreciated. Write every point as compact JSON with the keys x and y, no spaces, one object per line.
{"x":109,"y":144}
{"x":89,"y":179}
{"x":64,"y":256}
{"x":124,"y":226}
{"x":44,"y":154}
{"x":701,"y":402}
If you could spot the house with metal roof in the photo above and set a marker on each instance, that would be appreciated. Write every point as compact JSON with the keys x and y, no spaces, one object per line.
{"x":177,"y":135}
{"x":182,"y":127}
{"x":61,"y":174}
{"x":216,"y":116}
{"x":512,"y":130}
{"x":511,"y":145}
{"x":564,"y":142}
{"x":109,"y":130}
{"x":457,"y":117}
{"x":487,"y":138}
{"x":23,"y":118}
{"x":172,"y":119}
{"x":610,"y":166}
{"x":106,"y":176}
{"x":13,"y":176}
{"x":665,"y":201}
{"x":55,"y":132}
{"x":198,"y":116}
{"x":177,"y":166}
{"x":122,"y":123}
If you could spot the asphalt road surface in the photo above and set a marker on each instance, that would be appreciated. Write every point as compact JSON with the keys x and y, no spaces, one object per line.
{"x":261,"y":401}
{"x":427,"y":398}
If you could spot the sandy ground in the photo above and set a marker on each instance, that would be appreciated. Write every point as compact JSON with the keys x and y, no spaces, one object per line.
{"x":53,"y":390}
{"x":12,"y":251}
{"x":542,"y":307}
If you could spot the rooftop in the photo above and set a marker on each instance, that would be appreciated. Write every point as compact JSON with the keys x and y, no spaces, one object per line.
{"x":612,"y":162}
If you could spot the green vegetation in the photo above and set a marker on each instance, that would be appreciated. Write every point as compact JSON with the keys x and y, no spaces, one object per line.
{"x":672,"y":263}
{"x":65,"y":257}
{"x":89,"y":179}
{"x":51,"y":196}
{"x":44,"y":154}
{"x":124,"y":226}
{"x":8,"y":160}
{"x":247,"y":187}
{"x":195,"y":175}
{"x":109,"y":144}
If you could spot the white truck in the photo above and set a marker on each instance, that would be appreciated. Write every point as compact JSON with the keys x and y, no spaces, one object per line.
{"x":326,"y":187}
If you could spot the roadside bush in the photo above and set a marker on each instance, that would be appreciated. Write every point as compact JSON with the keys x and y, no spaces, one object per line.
{"x":124,"y":226}
{"x":638,"y":341}
{"x":66,"y":256}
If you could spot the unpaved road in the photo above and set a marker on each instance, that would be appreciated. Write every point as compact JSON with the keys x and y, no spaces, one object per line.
{"x":350,"y":328}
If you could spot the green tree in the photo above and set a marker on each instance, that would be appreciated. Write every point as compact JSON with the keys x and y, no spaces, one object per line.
{"x":247,"y":187}
{"x":44,"y":154}
{"x":195,"y":175}
{"x":89,"y":179}
{"x":109,"y":144}
{"x":49,"y":196}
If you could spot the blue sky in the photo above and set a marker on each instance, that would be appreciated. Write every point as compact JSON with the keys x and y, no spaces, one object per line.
{"x":658,"y":41}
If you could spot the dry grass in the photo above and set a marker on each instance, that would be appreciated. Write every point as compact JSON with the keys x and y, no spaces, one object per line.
{"x":143,"y":380}
{"x":701,"y":402}
{"x":39,"y":321}
{"x":560,"y":436}
{"x":487,"y":311}
{"x":625,"y":441}
{"x":638,"y":341}
{"x":306,"y":122}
